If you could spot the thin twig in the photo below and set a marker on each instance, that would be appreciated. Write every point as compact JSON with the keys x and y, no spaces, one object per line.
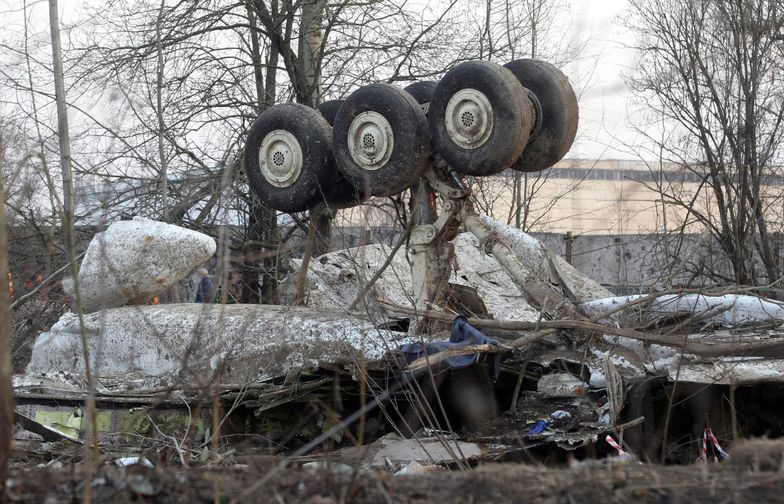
{"x":45,"y":282}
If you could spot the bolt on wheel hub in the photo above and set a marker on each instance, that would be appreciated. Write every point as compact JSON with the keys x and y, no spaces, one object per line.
{"x":280,"y":158}
{"x":370,"y":140}
{"x":469,"y":118}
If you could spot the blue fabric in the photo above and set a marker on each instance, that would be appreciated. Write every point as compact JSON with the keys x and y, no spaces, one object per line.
{"x":538,"y":427}
{"x":462,"y":334}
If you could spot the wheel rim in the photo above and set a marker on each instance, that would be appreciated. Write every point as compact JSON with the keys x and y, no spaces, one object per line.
{"x":370,"y":140}
{"x":469,"y":118}
{"x":280,"y":158}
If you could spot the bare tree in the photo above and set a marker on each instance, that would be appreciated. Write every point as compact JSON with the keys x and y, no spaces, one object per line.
{"x":6,"y":391}
{"x":712,"y":69}
{"x":162,"y":96}
{"x":293,"y":37}
{"x":517,"y":29}
{"x":62,"y":128}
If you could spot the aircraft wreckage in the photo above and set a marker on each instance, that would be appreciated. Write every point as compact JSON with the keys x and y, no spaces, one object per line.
{"x":467,"y":340}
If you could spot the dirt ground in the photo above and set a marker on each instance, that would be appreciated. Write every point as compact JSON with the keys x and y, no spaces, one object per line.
{"x":754,"y":474}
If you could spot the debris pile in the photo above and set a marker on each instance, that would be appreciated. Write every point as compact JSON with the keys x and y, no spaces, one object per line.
{"x":646,"y":376}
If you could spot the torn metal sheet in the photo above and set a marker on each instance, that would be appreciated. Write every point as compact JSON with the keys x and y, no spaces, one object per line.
{"x":335,"y":279}
{"x":438,"y":450}
{"x":56,"y":422}
{"x":135,"y":259}
{"x":47,"y":432}
{"x":730,"y":371}
{"x":185,"y":344}
{"x":634,"y":359}
{"x":728,"y":310}
{"x":547,"y":265}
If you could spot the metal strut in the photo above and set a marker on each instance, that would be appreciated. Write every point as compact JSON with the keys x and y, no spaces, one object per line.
{"x":431,"y":252}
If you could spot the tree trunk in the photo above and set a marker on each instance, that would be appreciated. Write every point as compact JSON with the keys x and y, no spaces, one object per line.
{"x":62,"y":130}
{"x":309,"y":93}
{"x":309,"y":53}
{"x":259,"y":271}
{"x":259,"y":266}
{"x":6,"y":391}
{"x":322,"y":219}
{"x":164,"y":180}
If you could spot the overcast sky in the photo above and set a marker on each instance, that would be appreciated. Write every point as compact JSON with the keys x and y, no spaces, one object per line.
{"x":604,"y":98}
{"x":604,"y":121}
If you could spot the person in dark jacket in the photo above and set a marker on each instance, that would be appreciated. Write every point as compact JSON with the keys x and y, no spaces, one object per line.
{"x":204,"y":293}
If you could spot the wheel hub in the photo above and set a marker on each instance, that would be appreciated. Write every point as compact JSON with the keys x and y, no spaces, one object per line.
{"x":370,"y":140}
{"x":469,"y":118}
{"x":280,"y":158}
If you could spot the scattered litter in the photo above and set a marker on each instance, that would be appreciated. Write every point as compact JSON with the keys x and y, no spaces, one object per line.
{"x":708,"y":434}
{"x":414,"y":467}
{"x":329,"y":466}
{"x":617,"y":447}
{"x":561,"y":385}
{"x":128,"y":461}
{"x":538,"y":428}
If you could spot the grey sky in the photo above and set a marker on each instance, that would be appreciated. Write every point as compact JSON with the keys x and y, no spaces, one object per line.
{"x":604,"y":122}
{"x":598,"y":73}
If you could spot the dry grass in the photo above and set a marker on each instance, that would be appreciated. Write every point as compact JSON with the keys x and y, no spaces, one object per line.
{"x":497,"y":483}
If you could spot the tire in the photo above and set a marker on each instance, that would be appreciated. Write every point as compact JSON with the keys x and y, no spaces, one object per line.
{"x":381,"y":140}
{"x":480,"y":118}
{"x":287,"y":155}
{"x":329,"y":110}
{"x":339,"y":193}
{"x":557,"y":111}
{"x":422,"y":92}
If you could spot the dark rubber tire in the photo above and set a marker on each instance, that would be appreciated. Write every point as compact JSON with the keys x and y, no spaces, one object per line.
{"x":329,"y":109}
{"x":512,"y":118}
{"x":410,"y":152}
{"x":422,"y":91}
{"x":340,"y":193}
{"x":312,"y":133}
{"x":559,"y":114}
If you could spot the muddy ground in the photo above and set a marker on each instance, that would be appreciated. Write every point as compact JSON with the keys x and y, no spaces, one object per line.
{"x":754,"y":474}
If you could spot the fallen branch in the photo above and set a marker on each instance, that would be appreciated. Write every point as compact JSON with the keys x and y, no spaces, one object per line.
{"x":753,"y":349}
{"x":437,"y":358}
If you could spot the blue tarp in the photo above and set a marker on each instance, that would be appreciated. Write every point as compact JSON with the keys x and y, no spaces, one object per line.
{"x":462,"y":334}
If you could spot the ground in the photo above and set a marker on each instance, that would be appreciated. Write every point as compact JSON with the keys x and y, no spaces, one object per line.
{"x":497,"y":483}
{"x":754,"y":474}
